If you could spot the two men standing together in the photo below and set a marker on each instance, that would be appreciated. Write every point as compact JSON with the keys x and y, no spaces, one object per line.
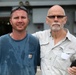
{"x":20,"y":52}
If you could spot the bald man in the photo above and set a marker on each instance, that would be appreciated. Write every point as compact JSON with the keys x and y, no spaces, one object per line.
{"x":58,"y":45}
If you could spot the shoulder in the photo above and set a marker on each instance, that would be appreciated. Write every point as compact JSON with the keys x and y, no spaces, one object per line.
{"x":4,"y":37}
{"x":73,"y":38}
{"x":4,"y":40}
{"x":32,"y":38}
{"x":70,"y":36}
{"x":33,"y":41}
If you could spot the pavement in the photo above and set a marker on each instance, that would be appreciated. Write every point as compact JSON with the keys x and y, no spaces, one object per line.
{"x":38,"y":71}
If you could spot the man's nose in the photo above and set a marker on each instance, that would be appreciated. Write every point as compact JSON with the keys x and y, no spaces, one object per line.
{"x":20,"y":19}
{"x":56,"y":19}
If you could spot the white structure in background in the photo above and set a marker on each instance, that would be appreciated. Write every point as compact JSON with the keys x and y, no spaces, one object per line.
{"x":37,"y":13}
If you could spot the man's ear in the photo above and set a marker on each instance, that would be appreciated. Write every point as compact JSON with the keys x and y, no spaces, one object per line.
{"x":28,"y":21}
{"x":65,"y":20}
{"x":46,"y":20}
{"x":10,"y":21}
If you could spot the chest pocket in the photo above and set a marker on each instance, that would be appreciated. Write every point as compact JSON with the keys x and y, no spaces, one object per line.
{"x":30,"y":58}
{"x":65,"y":57}
{"x":44,"y":49}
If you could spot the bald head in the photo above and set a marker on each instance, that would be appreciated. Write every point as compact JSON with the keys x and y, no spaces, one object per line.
{"x":56,"y":9}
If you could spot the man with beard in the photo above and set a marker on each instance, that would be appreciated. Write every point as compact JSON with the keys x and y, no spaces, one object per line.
{"x":19,"y":51}
{"x":58,"y":45}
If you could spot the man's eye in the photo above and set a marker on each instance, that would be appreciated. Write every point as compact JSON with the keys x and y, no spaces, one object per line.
{"x":23,"y":17}
{"x":16,"y":17}
{"x":51,"y":16}
{"x":58,"y":16}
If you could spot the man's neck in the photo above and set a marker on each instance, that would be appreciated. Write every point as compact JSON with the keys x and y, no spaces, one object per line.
{"x":58,"y":35}
{"x":18,"y":35}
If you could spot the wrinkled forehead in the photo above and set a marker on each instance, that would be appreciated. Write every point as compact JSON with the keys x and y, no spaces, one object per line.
{"x":56,"y":10}
{"x":19,"y":12}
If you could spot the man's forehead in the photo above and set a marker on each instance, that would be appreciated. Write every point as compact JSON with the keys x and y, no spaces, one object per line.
{"x":56,"y":9}
{"x":56,"y":12}
{"x":19,"y":11}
